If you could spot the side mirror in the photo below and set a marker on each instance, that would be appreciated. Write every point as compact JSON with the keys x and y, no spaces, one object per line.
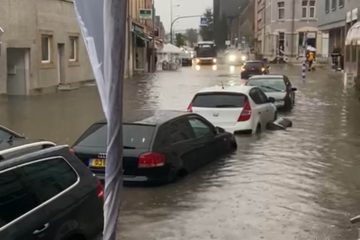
{"x":219,"y":130}
{"x":294,"y":89}
{"x":271,"y":100}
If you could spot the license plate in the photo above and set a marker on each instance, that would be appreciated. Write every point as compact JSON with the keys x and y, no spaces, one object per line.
{"x":97,"y":163}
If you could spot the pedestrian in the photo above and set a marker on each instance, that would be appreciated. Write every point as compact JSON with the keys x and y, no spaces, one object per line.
{"x":310,"y":59}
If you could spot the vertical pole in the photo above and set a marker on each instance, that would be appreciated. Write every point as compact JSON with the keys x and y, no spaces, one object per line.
{"x":153,"y":52}
{"x":171,"y":21}
{"x":293,"y":29}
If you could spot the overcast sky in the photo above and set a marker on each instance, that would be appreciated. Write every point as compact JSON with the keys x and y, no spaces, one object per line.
{"x":185,"y":8}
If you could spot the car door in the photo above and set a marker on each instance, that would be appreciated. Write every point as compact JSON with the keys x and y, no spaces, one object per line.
{"x":269,"y":108}
{"x":205,"y":138}
{"x":176,"y":140}
{"x":21,"y":214}
{"x":261,"y":108}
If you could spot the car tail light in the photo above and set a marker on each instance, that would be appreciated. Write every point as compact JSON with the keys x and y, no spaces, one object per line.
{"x":151,"y":160}
{"x":189,"y":109}
{"x":246,"y":112}
{"x":100,"y":190}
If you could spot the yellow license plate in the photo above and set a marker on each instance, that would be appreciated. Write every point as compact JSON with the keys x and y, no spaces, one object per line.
{"x":97,"y":163}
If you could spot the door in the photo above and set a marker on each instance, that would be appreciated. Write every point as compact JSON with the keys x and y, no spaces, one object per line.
{"x":61,"y":63}
{"x":269,"y":109}
{"x":261,"y":108}
{"x":18,"y":74}
{"x":204,"y":134}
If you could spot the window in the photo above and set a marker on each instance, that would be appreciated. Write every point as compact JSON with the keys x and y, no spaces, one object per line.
{"x":312,"y":8}
{"x":341,"y":3}
{"x":304,"y":7}
{"x":268,"y":85}
{"x":74,"y":43}
{"x":46,"y":48}
{"x":327,"y":6}
{"x":257,"y":97}
{"x":179,"y":131}
{"x":200,"y":128}
{"x":333,"y":5}
{"x":219,"y":100}
{"x":281,"y":9}
{"x":25,"y":188}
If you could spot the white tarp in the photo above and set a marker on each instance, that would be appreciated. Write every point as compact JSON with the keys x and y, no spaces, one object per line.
{"x":103,"y":27}
{"x":353,"y":35}
{"x":169,"y":48}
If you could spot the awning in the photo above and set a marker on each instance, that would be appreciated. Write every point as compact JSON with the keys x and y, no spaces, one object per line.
{"x":353,"y":35}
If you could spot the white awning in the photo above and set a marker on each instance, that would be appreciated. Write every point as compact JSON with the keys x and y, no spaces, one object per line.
{"x":169,"y":48}
{"x":353,"y":35}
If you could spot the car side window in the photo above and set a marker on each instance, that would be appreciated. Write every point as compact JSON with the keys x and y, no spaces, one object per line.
{"x":263,"y":97}
{"x":26,"y":187}
{"x":200,"y":128}
{"x":15,"y":198}
{"x":175,"y":132}
{"x":255,"y":96}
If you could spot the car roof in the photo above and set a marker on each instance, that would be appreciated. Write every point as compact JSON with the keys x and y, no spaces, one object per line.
{"x":18,"y":147}
{"x":227,"y":89}
{"x":268,"y":76}
{"x":162,"y":116}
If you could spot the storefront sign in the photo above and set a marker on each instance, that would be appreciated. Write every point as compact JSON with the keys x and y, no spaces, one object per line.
{"x":348,"y":17}
{"x":311,"y":35}
{"x":145,"y":14}
{"x":355,"y":13}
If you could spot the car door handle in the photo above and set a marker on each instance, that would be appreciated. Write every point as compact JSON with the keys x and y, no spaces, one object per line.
{"x":38,"y":231}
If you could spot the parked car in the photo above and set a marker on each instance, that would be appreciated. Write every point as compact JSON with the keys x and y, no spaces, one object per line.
{"x":7,"y":134}
{"x":237,"y":109}
{"x":251,"y":68}
{"x":278,"y":87}
{"x":157,"y":149}
{"x":47,"y":193}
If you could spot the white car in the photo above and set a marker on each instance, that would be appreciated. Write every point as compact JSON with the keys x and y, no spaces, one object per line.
{"x":237,"y":109}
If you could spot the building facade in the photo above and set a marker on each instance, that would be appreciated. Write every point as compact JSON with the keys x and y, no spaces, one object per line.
{"x":41,"y":47}
{"x":286,"y":28}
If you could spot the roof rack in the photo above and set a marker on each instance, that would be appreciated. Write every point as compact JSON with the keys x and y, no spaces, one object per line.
{"x":43,"y":144}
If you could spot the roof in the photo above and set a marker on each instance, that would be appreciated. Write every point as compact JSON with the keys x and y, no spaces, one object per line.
{"x":231,"y":89}
{"x":162,"y":116}
{"x":21,"y":146}
{"x":268,"y":76}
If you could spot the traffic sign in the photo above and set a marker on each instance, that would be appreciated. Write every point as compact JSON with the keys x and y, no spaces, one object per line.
{"x":145,"y":13}
{"x":204,"y":22}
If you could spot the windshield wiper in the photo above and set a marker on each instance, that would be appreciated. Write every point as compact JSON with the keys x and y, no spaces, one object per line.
{"x":271,"y":88}
{"x":226,"y":106}
{"x":128,"y":147}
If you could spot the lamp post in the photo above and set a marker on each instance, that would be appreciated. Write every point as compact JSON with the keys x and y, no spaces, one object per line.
{"x":175,"y":20}
{"x":1,"y":33}
{"x":172,"y":17}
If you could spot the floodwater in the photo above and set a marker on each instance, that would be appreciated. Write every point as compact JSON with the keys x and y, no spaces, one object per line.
{"x":303,"y":183}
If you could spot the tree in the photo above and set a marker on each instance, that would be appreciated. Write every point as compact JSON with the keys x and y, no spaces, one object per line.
{"x":191,"y":36}
{"x":207,"y":32}
{"x":180,"y":40}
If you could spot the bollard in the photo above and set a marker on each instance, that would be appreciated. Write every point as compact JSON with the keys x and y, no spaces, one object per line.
{"x":303,"y":68}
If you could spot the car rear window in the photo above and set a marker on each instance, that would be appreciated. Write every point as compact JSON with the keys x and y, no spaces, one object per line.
{"x":135,"y":136}
{"x":219,"y":100}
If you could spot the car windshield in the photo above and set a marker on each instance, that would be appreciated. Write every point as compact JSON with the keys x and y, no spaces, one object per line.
{"x":135,"y":136}
{"x":219,"y":100}
{"x":253,"y":65}
{"x":269,"y":85}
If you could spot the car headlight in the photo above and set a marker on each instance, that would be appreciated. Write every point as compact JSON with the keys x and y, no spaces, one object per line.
{"x":197,"y":60}
{"x":232,"y":58}
{"x":242,"y":69}
{"x":243,"y":58}
{"x":214,"y":60}
{"x":263,"y":69}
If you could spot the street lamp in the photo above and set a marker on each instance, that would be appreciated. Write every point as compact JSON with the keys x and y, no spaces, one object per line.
{"x":171,"y":15}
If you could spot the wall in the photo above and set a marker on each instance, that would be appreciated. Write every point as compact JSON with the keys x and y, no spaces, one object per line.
{"x":333,"y":18}
{"x":24,"y":21}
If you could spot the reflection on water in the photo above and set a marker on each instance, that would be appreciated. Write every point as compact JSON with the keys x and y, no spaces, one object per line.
{"x":303,"y":183}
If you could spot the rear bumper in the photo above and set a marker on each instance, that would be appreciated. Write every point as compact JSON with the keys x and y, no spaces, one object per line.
{"x":159,"y":174}
{"x":238,"y":127}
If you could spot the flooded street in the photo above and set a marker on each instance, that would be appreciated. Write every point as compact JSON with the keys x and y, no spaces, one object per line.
{"x":303,"y":183}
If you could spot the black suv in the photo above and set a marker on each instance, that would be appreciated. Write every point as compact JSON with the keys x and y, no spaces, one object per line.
{"x":254,"y":67}
{"x":47,"y":193}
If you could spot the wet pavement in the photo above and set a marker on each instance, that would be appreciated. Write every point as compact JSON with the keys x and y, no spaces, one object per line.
{"x":303,"y":183}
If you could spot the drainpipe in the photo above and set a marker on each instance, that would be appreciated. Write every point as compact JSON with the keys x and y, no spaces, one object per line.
{"x":293,"y":30}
